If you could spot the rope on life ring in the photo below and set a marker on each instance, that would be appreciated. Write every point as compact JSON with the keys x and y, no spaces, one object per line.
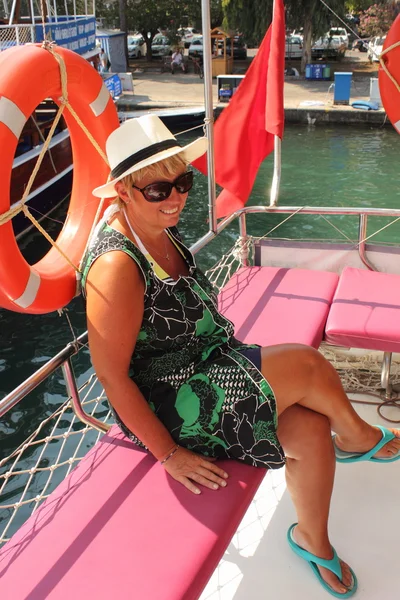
{"x":28,"y":75}
{"x":389,"y":74}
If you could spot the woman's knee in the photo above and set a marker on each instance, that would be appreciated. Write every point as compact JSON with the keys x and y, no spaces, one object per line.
{"x":291,"y":370}
{"x":302,"y":432}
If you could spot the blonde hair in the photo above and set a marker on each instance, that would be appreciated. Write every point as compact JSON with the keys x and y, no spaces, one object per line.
{"x":163,"y":168}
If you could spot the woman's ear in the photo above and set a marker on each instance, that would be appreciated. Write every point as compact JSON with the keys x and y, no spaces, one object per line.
{"x":122,"y":192}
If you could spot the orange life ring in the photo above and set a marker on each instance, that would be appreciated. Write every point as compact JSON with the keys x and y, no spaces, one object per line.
{"x":390,"y":93}
{"x":28,"y":75}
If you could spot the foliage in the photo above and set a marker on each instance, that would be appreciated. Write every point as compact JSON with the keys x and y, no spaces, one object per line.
{"x":357,"y":6}
{"x":376,"y":20}
{"x":252,"y":19}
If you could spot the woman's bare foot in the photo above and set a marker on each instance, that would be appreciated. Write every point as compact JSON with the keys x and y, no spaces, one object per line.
{"x":368,"y":440}
{"x":325,"y":551}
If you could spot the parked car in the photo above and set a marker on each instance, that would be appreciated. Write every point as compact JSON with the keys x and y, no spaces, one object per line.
{"x":160,"y":46}
{"x":187,"y":35}
{"x":375,"y":48}
{"x":136,"y":46}
{"x":239,"y":48}
{"x":196,"y":45}
{"x":361,"y":45}
{"x":293,"y":46}
{"x":329,"y":47}
{"x":339,"y":32}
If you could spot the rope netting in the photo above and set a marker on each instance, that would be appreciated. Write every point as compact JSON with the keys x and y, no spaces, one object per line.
{"x":34,"y":469}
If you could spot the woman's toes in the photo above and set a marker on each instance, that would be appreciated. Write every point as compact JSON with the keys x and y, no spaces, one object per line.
{"x":338,"y":586}
{"x":347,"y":577}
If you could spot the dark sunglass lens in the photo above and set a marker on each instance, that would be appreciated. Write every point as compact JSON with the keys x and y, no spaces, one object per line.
{"x":157,"y":192}
{"x":185,"y":182}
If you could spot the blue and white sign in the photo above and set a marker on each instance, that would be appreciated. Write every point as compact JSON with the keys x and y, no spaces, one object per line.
{"x":78,"y":35}
{"x":114,"y":85}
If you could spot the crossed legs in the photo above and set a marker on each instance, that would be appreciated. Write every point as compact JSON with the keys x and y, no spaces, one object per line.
{"x":311,"y":402}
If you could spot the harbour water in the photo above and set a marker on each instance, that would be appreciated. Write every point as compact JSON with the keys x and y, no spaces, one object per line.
{"x":320,"y":167}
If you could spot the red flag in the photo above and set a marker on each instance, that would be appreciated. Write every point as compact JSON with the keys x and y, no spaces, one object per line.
{"x":244,"y":132}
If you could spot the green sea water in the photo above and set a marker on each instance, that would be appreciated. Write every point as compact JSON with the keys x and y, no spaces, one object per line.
{"x":340,"y":166}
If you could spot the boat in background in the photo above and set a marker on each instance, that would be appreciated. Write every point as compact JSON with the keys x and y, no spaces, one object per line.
{"x":176,"y":119}
{"x":53,"y":182}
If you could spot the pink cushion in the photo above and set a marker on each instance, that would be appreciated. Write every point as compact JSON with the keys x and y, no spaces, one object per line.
{"x":270,"y":305}
{"x":120,"y":527}
{"x":365,"y":311}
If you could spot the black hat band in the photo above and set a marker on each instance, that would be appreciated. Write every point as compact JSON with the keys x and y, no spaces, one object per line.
{"x":142,"y":155}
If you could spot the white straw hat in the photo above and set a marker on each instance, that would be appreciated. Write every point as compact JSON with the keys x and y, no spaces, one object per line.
{"x":140,"y":142}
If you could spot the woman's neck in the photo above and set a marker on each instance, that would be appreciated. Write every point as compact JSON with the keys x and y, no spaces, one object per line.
{"x":146,"y":232}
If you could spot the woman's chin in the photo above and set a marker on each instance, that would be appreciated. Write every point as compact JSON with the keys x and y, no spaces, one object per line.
{"x":171,"y":219}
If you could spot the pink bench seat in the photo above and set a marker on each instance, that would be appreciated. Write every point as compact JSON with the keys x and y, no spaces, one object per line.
{"x":271,"y":305}
{"x":118,"y":526}
{"x":365,"y":312}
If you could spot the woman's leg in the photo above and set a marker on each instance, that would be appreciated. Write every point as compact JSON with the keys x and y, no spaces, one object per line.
{"x":306,"y":439}
{"x":301,"y":375}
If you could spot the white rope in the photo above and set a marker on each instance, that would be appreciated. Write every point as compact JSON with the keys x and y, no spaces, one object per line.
{"x":65,"y":458}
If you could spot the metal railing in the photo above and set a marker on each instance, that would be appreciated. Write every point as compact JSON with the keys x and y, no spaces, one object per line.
{"x":63,"y":358}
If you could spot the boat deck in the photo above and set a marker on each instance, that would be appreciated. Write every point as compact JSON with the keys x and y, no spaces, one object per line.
{"x":259,"y":564}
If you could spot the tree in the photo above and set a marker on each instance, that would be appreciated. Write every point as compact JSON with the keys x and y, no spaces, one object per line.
{"x":377,"y":19}
{"x":152,"y":16}
{"x":253,"y":19}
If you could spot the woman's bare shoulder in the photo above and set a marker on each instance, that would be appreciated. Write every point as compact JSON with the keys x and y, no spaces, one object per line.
{"x":114,"y":269}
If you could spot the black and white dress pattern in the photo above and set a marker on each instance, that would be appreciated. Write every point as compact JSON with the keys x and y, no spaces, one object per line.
{"x":189,"y":367}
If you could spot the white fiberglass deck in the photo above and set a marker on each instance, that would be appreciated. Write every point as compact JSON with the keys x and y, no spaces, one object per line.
{"x":364,"y":528}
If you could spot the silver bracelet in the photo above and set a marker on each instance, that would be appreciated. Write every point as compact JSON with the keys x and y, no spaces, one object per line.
{"x":170,"y":454}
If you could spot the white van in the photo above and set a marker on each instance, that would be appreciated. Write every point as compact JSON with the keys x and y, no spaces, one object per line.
{"x":339,"y":32}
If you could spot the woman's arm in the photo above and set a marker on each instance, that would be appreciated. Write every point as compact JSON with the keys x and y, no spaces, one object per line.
{"x":115,"y":305}
{"x":115,"y":298}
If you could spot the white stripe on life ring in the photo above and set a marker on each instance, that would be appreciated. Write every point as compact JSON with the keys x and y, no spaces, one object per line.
{"x":31,"y":290}
{"x":12,"y":116}
{"x":397,"y":125}
{"x":98,"y":106}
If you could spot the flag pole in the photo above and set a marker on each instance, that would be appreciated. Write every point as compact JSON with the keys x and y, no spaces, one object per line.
{"x":209,"y":111}
{"x":276,"y":178}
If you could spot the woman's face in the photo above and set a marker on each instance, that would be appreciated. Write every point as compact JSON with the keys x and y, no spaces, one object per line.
{"x":157,"y":215}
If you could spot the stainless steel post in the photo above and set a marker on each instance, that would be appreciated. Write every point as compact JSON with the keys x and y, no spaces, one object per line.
{"x":244,"y":253}
{"x":276,"y":179}
{"x":385,"y":374}
{"x":72,"y":389}
{"x":208,"y":101}
{"x":362,"y":234}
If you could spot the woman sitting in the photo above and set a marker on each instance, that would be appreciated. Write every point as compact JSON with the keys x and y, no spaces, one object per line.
{"x":179,"y":382}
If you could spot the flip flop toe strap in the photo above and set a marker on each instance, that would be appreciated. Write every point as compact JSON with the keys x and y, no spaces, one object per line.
{"x":333,"y":564}
{"x":387,"y":436}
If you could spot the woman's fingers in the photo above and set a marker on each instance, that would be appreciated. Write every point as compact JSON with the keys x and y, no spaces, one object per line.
{"x":217,"y":470}
{"x":215,"y":480}
{"x":189,"y":485}
{"x":203,"y":480}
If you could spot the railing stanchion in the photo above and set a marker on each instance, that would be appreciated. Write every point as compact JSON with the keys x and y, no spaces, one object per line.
{"x":77,"y":407}
{"x":244,"y":252}
{"x":362,"y":234}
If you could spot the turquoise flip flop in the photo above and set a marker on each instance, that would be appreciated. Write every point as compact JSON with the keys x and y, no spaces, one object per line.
{"x":333,"y":565}
{"x":352,"y":457}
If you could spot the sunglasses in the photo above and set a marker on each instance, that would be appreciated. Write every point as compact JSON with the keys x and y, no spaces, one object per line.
{"x":161,"y":190}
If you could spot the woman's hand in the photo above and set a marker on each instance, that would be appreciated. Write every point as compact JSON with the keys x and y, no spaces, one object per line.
{"x":187,"y":467}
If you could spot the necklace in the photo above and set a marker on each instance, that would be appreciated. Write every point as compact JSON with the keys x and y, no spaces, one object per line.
{"x":166,"y":257}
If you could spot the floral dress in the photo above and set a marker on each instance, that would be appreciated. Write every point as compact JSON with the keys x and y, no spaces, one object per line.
{"x":189,"y":367}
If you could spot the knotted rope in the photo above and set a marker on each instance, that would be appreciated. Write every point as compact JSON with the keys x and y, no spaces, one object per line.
{"x":64,"y":103}
{"x":384,"y":67}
